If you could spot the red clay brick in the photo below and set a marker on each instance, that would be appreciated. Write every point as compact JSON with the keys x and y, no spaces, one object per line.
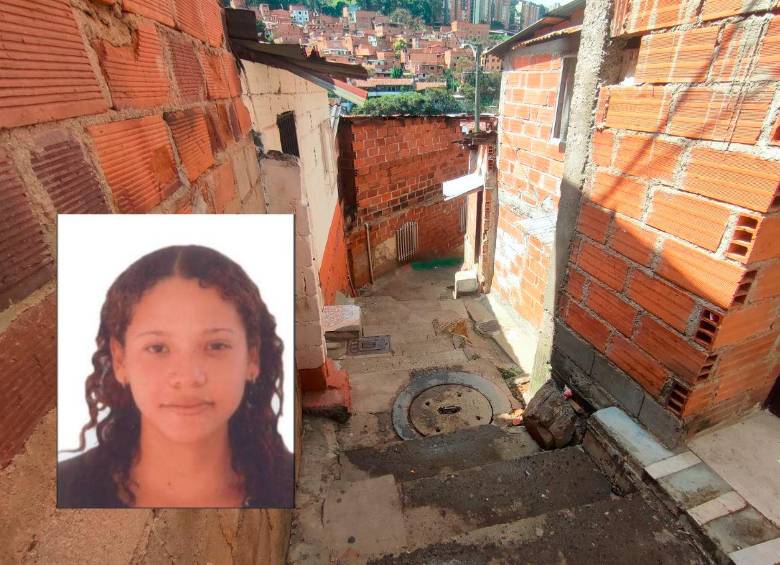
{"x":191,"y":136}
{"x":28,"y":357}
{"x":212,"y":19}
{"x":670,"y":348}
{"x":136,"y":73}
{"x":244,"y":119}
{"x":231,"y":75}
{"x":739,"y":359}
{"x":735,"y":55}
{"x":575,"y":285}
{"x":736,"y":178}
{"x":632,"y":240}
{"x":61,"y":167}
{"x":713,"y":279}
{"x":137,"y":161}
{"x":657,"y":297}
{"x":678,"y":56}
{"x":186,"y":68}
{"x":218,"y":123}
{"x":638,"y":364}
{"x":768,"y":65}
{"x":594,"y":331}
{"x":647,"y":157}
{"x":632,"y":16}
{"x":158,"y":10}
{"x":744,"y":323}
{"x":594,"y":222}
{"x":619,"y":194}
{"x":216,"y":80}
{"x":755,"y":239}
{"x":636,"y":108}
{"x":45,"y":69}
{"x":224,"y":186}
{"x":189,"y":18}
{"x":694,"y":219}
{"x":25,"y":260}
{"x":716,"y":9}
{"x":767,"y":282}
{"x":619,"y":313}
{"x":603,"y":142}
{"x":603,"y":266}
{"x":704,"y":113}
{"x":761,"y":377}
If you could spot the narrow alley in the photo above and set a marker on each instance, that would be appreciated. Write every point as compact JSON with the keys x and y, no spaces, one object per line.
{"x":469,"y":490}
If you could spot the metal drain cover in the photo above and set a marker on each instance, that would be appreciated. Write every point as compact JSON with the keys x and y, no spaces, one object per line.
{"x":413,"y":418}
{"x":447,"y":408}
{"x":488,"y":327}
{"x":369,"y":345}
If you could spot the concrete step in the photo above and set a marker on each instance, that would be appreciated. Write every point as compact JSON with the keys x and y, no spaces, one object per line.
{"x":611,"y":530}
{"x":426,"y":457}
{"x":452,"y":503}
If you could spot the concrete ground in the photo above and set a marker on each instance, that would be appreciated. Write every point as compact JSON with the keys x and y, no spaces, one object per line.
{"x":484,"y":494}
{"x":747,"y":456}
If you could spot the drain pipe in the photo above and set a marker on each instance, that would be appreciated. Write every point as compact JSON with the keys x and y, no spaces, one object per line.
{"x":368,"y":248}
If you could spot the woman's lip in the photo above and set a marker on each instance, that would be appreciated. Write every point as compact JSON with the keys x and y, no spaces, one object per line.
{"x":188,"y":408}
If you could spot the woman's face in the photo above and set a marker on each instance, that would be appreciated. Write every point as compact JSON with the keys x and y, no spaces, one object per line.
{"x":186,"y":360}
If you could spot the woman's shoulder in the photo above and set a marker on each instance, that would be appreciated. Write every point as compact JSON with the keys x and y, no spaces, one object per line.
{"x":85,"y":481}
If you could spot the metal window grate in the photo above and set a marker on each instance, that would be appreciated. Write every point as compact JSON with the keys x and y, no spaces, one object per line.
{"x":406,"y":241}
{"x":287,"y":133}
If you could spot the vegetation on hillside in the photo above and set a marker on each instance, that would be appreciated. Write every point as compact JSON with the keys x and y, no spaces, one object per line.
{"x":431,"y":102}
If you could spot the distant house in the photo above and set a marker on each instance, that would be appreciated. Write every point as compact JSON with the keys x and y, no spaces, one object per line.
{"x":299,"y":14}
{"x":385,"y":86}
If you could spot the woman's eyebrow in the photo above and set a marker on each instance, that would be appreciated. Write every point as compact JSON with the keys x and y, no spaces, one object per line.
{"x":151,"y":332}
{"x":215,"y":330}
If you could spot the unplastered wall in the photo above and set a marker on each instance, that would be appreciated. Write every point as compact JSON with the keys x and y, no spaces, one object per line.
{"x":674,"y":275}
{"x":106,"y":107}
{"x":391,"y":172}
{"x":271,"y":91}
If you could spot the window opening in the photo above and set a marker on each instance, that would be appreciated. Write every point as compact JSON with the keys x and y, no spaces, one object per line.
{"x":287,"y":133}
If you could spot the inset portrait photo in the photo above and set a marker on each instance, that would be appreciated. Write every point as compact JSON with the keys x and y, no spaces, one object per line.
{"x":175,"y":361}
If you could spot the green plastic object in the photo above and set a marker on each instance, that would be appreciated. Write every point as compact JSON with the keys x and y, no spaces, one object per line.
{"x":437,"y":263}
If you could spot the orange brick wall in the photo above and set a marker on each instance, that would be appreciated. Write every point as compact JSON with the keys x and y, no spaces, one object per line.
{"x":126,"y":107}
{"x":530,"y":167}
{"x":334,"y":273}
{"x":391,"y":171}
{"x":675,"y":267}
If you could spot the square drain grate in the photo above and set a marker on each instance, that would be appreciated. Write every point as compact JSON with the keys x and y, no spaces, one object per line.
{"x":369,"y":345}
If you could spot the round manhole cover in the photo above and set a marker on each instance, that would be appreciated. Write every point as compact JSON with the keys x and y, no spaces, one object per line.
{"x":447,"y":408}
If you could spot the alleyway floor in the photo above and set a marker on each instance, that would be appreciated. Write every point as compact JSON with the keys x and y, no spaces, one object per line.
{"x":481,"y":494}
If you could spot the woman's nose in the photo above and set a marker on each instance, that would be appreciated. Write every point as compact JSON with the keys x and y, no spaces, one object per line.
{"x":187,"y":370}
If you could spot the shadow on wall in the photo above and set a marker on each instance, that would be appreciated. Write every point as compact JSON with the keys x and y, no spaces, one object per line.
{"x":669,"y":273}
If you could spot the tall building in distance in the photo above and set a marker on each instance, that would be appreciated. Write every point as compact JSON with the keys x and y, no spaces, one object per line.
{"x":527,"y":13}
{"x":460,"y":10}
{"x":502,"y":12}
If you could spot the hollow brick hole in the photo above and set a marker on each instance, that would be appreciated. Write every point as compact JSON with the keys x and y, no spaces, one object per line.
{"x":706,"y":370}
{"x":742,"y":240}
{"x":677,"y":398}
{"x":744,"y":287}
{"x":709,"y":324}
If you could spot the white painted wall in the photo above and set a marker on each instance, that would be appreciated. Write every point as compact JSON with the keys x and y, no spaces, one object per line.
{"x":272,"y":91}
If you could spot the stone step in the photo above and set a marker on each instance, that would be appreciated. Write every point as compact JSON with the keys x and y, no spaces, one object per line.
{"x":426,"y":457}
{"x":611,"y":530}
{"x":452,"y":503}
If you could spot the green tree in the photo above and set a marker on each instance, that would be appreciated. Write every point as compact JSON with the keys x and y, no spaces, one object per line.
{"x":489,"y":90}
{"x":396,"y":72}
{"x":431,"y":102}
{"x":399,"y":44}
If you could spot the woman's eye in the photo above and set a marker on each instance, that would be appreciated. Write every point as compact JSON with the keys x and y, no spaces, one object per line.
{"x":218,"y":346}
{"x":157,"y":348}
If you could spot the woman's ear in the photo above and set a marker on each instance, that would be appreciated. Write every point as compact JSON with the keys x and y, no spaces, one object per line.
{"x":253,"y":369}
{"x":118,"y":361}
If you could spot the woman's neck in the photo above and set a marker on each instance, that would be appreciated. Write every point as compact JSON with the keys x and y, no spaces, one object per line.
{"x":170,"y":474}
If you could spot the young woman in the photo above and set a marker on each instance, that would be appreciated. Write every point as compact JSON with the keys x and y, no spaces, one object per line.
{"x":187,"y":365}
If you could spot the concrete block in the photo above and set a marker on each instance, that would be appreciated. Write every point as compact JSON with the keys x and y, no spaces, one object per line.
{"x":465,"y":283}
{"x":662,"y":423}
{"x":672,"y":465}
{"x":759,"y":554}
{"x":565,"y":370}
{"x":630,"y":436}
{"x":308,"y":333}
{"x":716,"y":508}
{"x":303,"y":252}
{"x":306,"y":309}
{"x":742,"y":529}
{"x":309,"y":357}
{"x":341,"y":318}
{"x":624,"y":389}
{"x":579,"y":351}
{"x":694,"y":486}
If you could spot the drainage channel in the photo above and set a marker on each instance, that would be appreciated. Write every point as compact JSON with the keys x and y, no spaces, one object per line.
{"x":443,"y":401}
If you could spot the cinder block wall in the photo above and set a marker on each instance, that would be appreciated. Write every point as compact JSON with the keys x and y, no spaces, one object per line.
{"x":106,"y":107}
{"x":674,"y":275}
{"x":391,"y":172}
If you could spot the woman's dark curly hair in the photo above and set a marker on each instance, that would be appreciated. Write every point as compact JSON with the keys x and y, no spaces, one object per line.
{"x":259,"y":454}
